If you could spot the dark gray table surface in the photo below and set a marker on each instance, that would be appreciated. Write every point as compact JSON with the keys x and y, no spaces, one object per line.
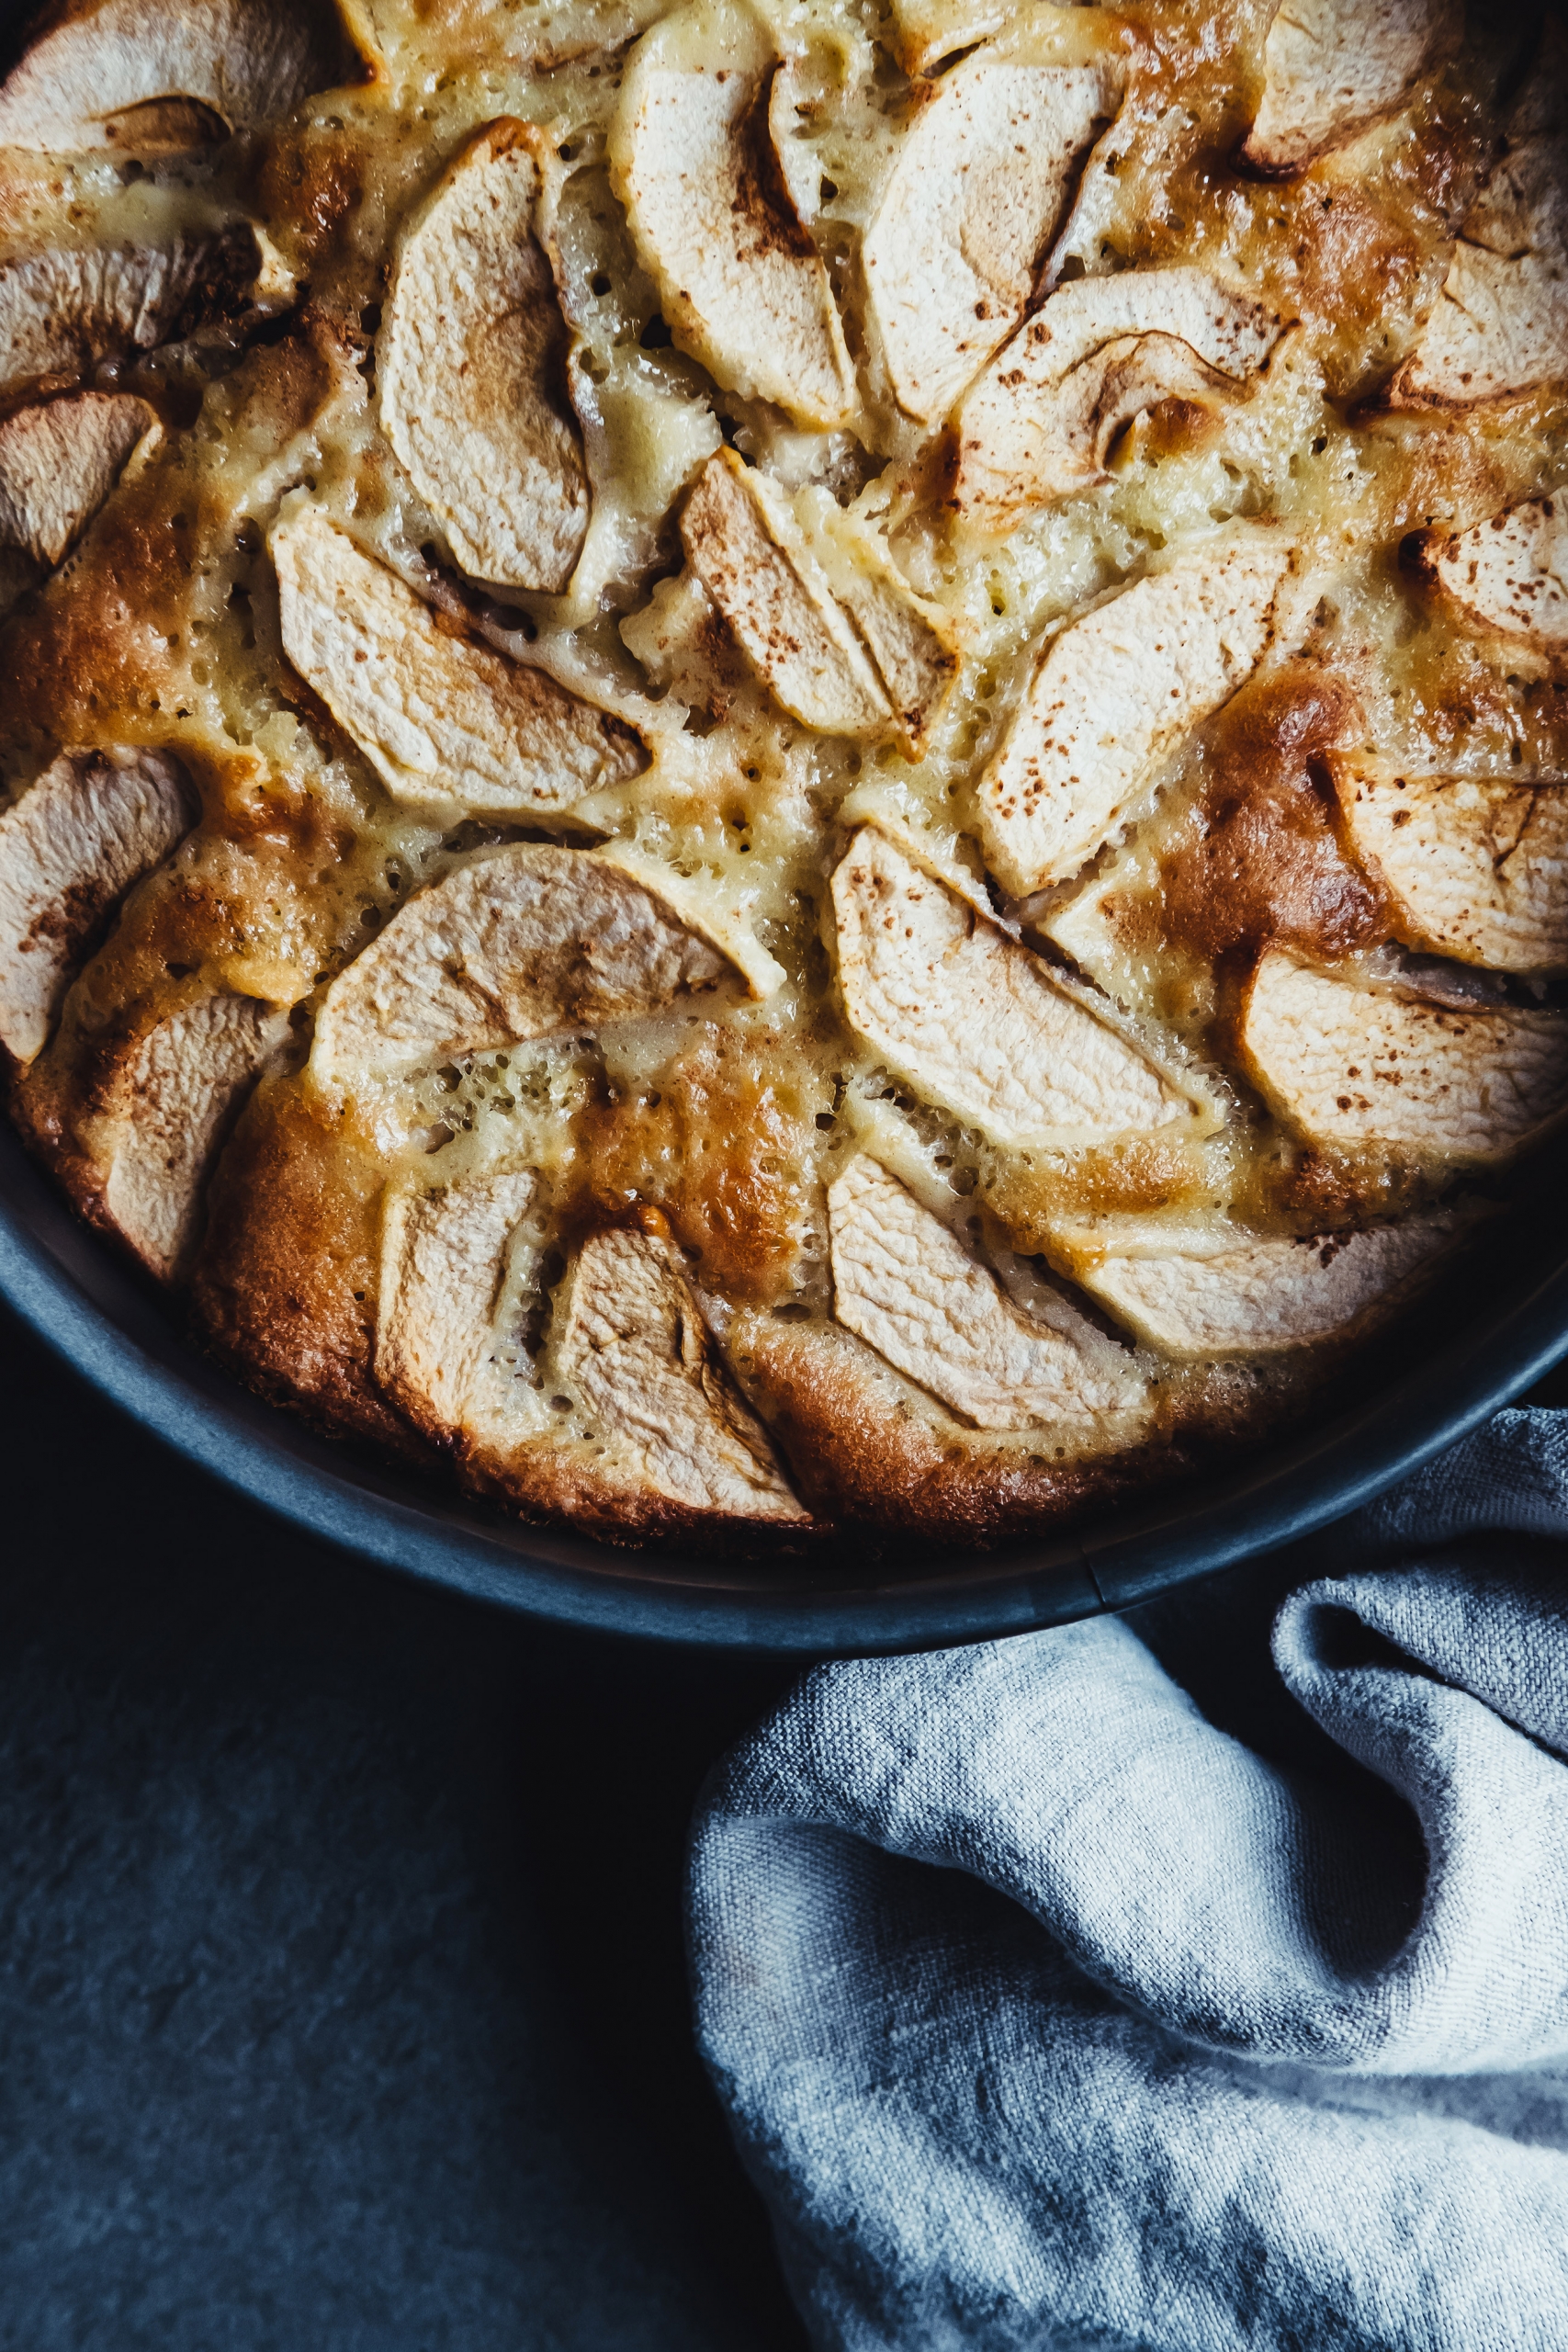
{"x":342,"y":1996}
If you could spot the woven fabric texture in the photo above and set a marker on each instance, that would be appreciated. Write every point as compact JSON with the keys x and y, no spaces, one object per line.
{"x":1049,"y":2013}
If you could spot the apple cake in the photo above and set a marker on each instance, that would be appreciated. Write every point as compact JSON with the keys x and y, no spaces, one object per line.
{"x":778,"y":770}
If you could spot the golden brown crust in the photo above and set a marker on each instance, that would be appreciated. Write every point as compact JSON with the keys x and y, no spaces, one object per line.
{"x":717,"y":1143}
{"x":108,"y":642}
{"x":863,"y":1453}
{"x":104,"y":650}
{"x":550,"y":1486}
{"x":289,"y":1299}
{"x":1264,"y":861}
{"x":85,"y":1104}
{"x":834,"y":653}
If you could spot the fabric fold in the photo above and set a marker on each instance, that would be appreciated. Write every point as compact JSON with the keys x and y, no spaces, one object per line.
{"x":1048,"y":2013}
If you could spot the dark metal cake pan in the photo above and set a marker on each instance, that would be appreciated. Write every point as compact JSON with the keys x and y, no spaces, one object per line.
{"x":1480,"y":1338}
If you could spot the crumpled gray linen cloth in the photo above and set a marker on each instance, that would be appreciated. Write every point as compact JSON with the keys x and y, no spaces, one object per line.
{"x":1048,"y":2012}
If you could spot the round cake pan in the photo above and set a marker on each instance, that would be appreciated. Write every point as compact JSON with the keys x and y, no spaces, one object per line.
{"x":1477,"y":1340}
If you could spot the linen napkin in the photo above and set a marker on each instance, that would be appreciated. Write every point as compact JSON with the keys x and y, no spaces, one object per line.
{"x":1049,"y":2012}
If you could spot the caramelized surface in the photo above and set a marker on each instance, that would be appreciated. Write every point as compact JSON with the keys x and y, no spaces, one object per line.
{"x":685,"y":568}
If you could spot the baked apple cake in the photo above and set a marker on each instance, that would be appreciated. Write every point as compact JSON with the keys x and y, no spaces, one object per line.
{"x":785,"y":767}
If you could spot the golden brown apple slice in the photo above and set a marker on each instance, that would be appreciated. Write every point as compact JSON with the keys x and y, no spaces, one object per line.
{"x":1114,"y":694}
{"x":978,"y":1024}
{"x":915,"y":645}
{"x":171,"y":1101}
{"x":739,"y":280}
{"x":443,"y":1263}
{"x":64,"y":309}
{"x":72,"y":846}
{"x":527,"y":941}
{"x":1332,"y":67}
{"x":750,"y":556}
{"x":979,"y":186}
{"x":1476,"y":867}
{"x":59,"y":462}
{"x":1501,"y":323}
{"x":1212,"y":1288}
{"x":628,"y":1337}
{"x":471,"y":362}
{"x":905,"y":1284}
{"x":1039,"y":423}
{"x":439,"y":715}
{"x":1355,"y":1067}
{"x":1507,"y":575}
{"x":142,"y":73}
